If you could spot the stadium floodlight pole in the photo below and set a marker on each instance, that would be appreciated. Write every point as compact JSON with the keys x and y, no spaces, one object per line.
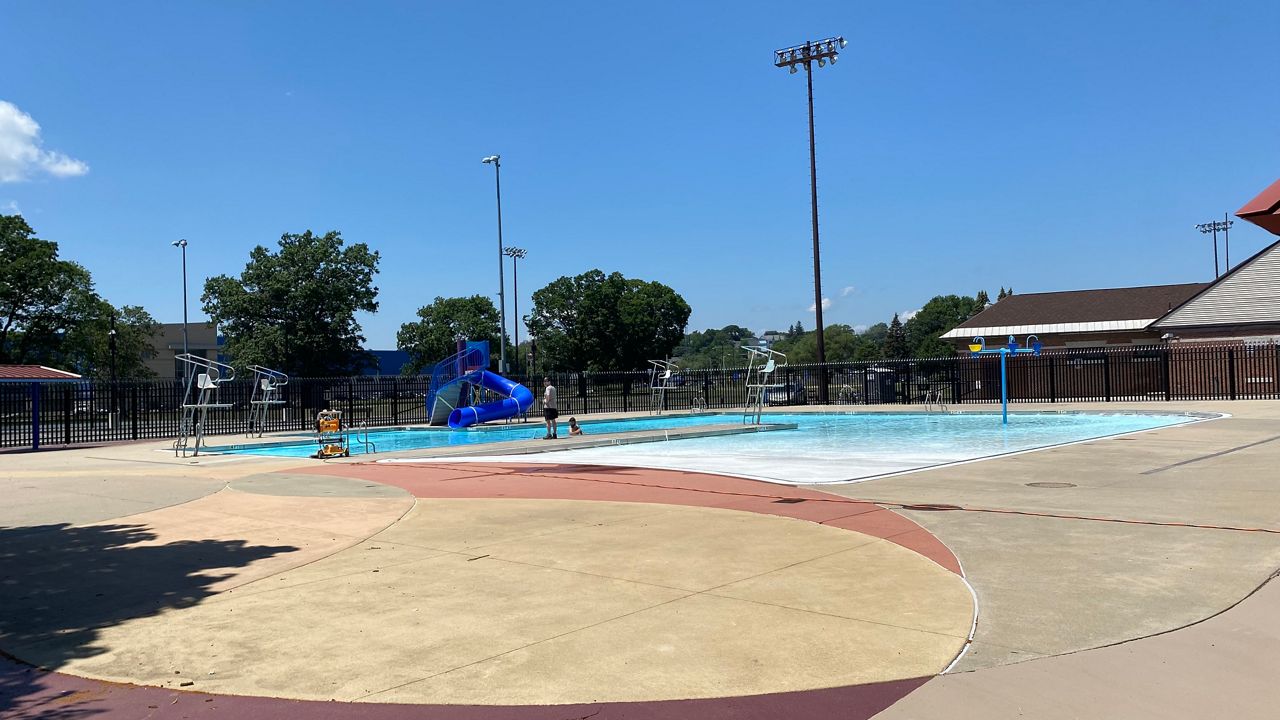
{"x":1226,"y":238}
{"x":819,"y":51}
{"x":1214,"y":227}
{"x":515,"y":254}
{"x":496,"y":161}
{"x":183,"y":244}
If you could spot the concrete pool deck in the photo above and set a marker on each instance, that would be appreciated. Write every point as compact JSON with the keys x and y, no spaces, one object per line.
{"x":1155,"y":532}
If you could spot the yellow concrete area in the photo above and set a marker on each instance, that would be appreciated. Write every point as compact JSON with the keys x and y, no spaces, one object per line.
{"x":508,"y":601}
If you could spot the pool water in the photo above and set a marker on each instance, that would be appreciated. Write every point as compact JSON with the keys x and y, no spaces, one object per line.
{"x":826,"y":447}
{"x":831,"y":448}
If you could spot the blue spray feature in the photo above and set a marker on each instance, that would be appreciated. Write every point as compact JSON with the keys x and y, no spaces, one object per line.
{"x":517,"y":401}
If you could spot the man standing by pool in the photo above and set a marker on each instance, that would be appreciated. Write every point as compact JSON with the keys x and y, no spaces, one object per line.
{"x":549,"y":411}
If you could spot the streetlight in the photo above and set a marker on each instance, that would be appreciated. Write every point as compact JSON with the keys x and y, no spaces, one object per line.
{"x":819,"y":51}
{"x":183,"y":244}
{"x":1214,"y":227}
{"x":111,"y":335}
{"x":496,"y":161}
{"x":516,"y":254}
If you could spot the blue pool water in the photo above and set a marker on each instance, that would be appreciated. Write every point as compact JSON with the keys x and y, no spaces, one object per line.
{"x":825,"y":448}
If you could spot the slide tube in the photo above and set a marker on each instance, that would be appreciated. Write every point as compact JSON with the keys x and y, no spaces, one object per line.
{"x":518,"y":400}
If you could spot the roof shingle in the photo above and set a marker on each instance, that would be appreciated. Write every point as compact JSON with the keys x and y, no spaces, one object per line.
{"x":35,"y":373}
{"x":1078,"y":306}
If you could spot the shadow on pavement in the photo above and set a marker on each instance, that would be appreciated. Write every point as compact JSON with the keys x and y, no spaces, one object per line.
{"x":59,"y":585}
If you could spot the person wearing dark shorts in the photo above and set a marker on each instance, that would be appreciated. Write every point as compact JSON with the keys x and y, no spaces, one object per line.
{"x":549,"y":411}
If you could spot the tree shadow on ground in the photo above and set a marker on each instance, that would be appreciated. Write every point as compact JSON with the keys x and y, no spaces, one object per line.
{"x":60,"y":585}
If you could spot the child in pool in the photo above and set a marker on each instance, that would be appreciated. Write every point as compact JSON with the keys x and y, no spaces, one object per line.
{"x":574,"y":428}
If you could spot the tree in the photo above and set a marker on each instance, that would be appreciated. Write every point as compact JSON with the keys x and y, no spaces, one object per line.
{"x":433,"y":337}
{"x":42,"y":298}
{"x":895,"y":341}
{"x":294,"y":309}
{"x":1003,"y":294}
{"x":88,"y":345}
{"x":605,"y":322}
{"x":939,"y":315}
{"x":983,"y":300}
{"x":713,"y":348}
{"x":795,"y":331}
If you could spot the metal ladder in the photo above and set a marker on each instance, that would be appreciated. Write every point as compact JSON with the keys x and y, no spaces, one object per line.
{"x":369,"y":446}
{"x":757,"y":392}
{"x":266,"y":393}
{"x":195,"y":408}
{"x":932,"y":398}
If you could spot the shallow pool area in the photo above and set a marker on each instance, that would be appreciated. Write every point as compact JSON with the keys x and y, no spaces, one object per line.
{"x":838,"y":448}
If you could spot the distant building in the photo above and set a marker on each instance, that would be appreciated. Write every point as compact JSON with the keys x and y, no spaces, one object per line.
{"x":166,"y":345}
{"x":1078,"y":318}
{"x":772,"y":336}
{"x":387,"y":362}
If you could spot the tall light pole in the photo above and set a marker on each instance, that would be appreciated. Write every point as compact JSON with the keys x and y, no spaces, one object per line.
{"x":111,"y":334}
{"x":1214,"y":227}
{"x":183,"y":244}
{"x":516,"y":254}
{"x":496,"y":161}
{"x":819,"y":51}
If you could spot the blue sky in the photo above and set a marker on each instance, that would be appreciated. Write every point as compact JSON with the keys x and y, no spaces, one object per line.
{"x":961,"y":146}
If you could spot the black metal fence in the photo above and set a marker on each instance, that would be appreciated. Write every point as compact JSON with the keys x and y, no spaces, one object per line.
{"x":79,"y":413}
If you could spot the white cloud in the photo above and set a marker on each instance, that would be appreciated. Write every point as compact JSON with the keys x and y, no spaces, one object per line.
{"x":21,"y":156}
{"x":12,"y":208}
{"x":826,"y":304}
{"x":861,"y":328}
{"x":846,"y":291}
{"x":906,"y":315}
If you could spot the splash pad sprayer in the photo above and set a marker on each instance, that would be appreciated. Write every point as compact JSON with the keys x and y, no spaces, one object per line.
{"x":978,"y":346}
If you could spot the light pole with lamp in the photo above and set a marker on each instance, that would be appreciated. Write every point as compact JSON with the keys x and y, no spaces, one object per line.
{"x":185,"y":346}
{"x":819,"y":51}
{"x":516,"y":254}
{"x":496,"y":161}
{"x":115,"y":404}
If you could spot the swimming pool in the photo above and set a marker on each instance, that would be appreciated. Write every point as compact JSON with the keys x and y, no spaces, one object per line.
{"x":826,"y":447}
{"x":838,"y":448}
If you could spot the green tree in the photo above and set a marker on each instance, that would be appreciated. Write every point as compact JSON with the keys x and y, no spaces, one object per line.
{"x":88,"y":345}
{"x":595,"y":321}
{"x":982,"y":300}
{"x":842,"y":344}
{"x":712,"y":348}
{"x":939,"y":315}
{"x":434,"y":335}
{"x":42,"y":297}
{"x":295,"y":309}
{"x":895,"y":340}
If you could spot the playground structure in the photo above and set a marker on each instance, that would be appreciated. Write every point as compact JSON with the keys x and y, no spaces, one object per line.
{"x":978,"y":346}
{"x":266,"y":394}
{"x":203,"y":376}
{"x":664,"y":377}
{"x":459,"y":382}
{"x":762,"y":363}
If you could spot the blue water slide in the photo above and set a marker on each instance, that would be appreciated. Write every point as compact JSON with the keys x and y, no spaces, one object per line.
{"x":517,"y":401}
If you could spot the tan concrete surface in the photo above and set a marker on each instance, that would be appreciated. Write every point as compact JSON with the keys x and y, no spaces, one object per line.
{"x":1225,"y":667}
{"x":1117,"y":561}
{"x":548,"y":601}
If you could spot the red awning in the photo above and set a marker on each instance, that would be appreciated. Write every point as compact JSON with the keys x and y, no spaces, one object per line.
{"x":1264,"y":210}
{"x":34,"y":373}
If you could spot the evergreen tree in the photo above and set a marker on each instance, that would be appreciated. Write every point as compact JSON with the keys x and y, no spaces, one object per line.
{"x":1003,"y":294}
{"x":895,"y":343}
{"x":983,"y":300}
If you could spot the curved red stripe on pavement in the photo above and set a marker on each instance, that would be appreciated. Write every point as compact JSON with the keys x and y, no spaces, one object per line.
{"x":27,"y":692}
{"x":626,"y":484}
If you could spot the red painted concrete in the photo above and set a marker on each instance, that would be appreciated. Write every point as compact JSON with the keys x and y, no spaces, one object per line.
{"x":669,"y":487}
{"x":27,"y":693}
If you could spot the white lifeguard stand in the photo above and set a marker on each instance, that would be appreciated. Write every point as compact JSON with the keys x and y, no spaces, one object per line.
{"x":203,"y":376}
{"x":762,"y":363}
{"x":660,"y":375}
{"x":266,"y":394}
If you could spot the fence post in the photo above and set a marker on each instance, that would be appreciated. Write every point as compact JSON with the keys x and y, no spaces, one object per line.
{"x":35,"y":416}
{"x":1106,"y":375}
{"x":133,"y":411}
{"x":1053,"y":381}
{"x":1164,"y":366}
{"x":582,"y":390}
{"x":66,"y":414}
{"x":1231,"y":371}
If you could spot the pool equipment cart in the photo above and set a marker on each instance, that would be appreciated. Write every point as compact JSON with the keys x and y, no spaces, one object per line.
{"x":978,"y":346}
{"x":458,"y":377}
{"x":266,"y":394}
{"x":331,"y":435}
{"x":762,"y":363}
{"x":203,"y":377}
